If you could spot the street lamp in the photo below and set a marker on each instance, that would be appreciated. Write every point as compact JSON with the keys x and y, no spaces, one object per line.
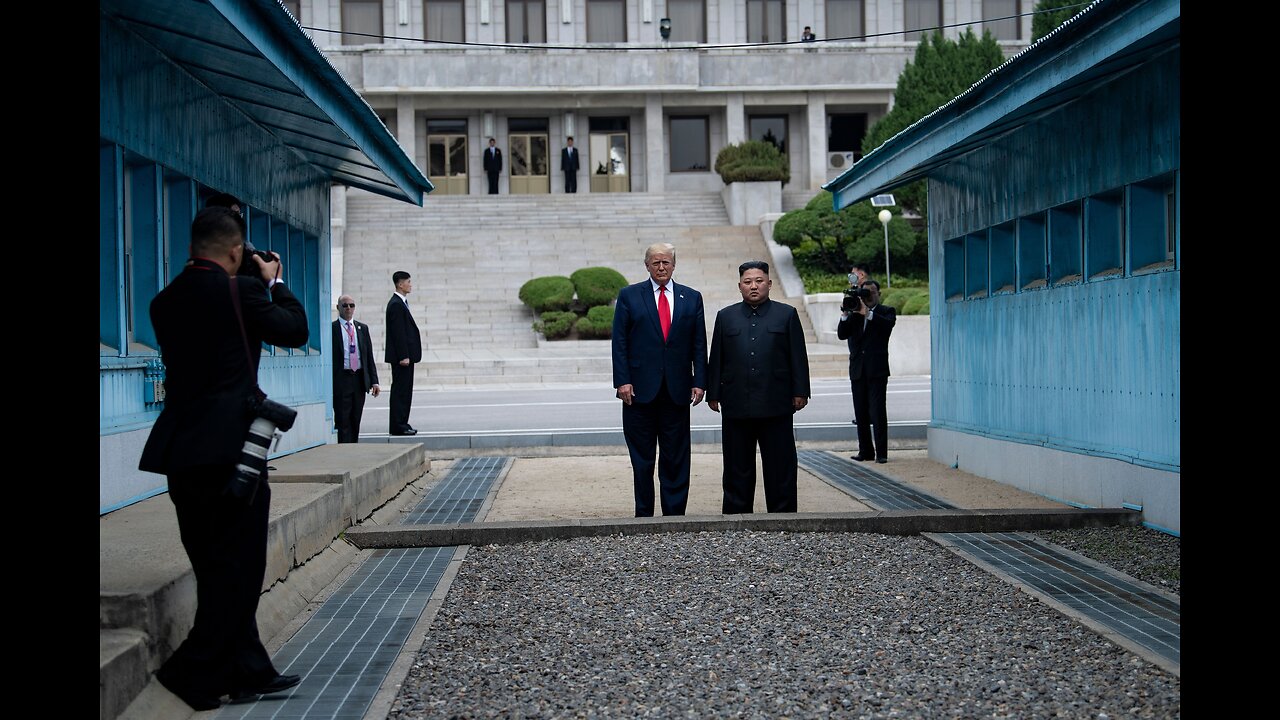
{"x":885,"y":217}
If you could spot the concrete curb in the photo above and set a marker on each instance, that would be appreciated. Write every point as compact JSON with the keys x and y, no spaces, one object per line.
{"x":896,"y":522}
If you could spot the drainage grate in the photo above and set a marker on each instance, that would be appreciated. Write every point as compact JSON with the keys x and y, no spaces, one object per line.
{"x":345,"y":650}
{"x":867,"y":485}
{"x":1091,"y":592}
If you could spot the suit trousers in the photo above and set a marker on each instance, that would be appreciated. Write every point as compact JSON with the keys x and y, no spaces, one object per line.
{"x":869,"y":414}
{"x":570,"y":182}
{"x":401,"y":397}
{"x":776,"y":438}
{"x":226,"y":541}
{"x":658,"y":428}
{"x":348,"y":405}
{"x":493,"y":183}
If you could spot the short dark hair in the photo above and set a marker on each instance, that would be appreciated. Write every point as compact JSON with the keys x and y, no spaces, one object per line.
{"x":570,"y":137}
{"x":863,"y":267}
{"x":869,"y":281}
{"x":399,"y":275}
{"x":225,"y":200}
{"x":216,"y":228}
{"x":753,"y":265}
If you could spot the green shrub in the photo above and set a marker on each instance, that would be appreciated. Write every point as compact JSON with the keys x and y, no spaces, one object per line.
{"x":598,"y":323}
{"x":597,"y":285}
{"x":543,"y":294}
{"x":555,"y":324}
{"x":917,"y":304}
{"x":752,"y":161}
{"x":896,"y":298}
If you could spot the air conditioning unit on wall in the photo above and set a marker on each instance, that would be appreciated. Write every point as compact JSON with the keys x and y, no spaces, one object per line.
{"x":839,"y":160}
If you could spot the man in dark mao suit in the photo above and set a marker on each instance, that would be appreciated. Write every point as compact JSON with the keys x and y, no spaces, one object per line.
{"x":659,"y":368}
{"x":758,"y":378}
{"x":210,"y":325}
{"x":492,"y":165}
{"x":404,"y":348}
{"x":867,"y":327}
{"x":569,"y":165}
{"x":354,"y":371}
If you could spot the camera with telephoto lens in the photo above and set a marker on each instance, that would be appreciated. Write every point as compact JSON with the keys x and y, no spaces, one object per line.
{"x":271,"y":419}
{"x":247,"y":266}
{"x":852,"y":297}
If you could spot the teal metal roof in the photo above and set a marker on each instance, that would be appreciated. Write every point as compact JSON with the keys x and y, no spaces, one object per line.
{"x":254,"y":55}
{"x":1106,"y":39}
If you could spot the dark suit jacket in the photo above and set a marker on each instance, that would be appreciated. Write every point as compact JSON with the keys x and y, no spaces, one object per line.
{"x":642,"y":359}
{"x":492,"y":164}
{"x":869,"y":348}
{"x":208,"y":378}
{"x":569,"y":163}
{"x":403,"y":339}
{"x":364,"y":346}
{"x":755,"y":371}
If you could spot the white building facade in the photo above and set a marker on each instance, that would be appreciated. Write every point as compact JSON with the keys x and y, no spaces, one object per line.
{"x":648,"y":113}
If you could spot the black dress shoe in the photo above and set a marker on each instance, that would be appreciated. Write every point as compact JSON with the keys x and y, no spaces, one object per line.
{"x":410,"y":431}
{"x":882,"y":460}
{"x":277,"y":684}
{"x":859,"y":458}
{"x":197,"y":700}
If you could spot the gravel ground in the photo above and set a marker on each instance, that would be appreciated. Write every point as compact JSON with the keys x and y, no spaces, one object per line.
{"x":1148,"y":555}
{"x":761,"y":625}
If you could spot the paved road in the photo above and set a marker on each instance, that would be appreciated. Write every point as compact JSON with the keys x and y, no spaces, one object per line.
{"x":569,"y":408}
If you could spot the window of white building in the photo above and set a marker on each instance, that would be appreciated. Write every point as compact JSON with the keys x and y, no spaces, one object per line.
{"x":688,"y":20}
{"x":766,"y":21}
{"x":919,"y":17}
{"x":1008,"y":28}
{"x":690,"y":144}
{"x":363,"y":17}
{"x":844,"y":19}
{"x":445,"y":20}
{"x":606,"y":21}
{"x":526,"y":21}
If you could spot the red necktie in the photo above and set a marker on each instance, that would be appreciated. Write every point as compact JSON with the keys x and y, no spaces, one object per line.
{"x":351,"y":347}
{"x":664,"y":312}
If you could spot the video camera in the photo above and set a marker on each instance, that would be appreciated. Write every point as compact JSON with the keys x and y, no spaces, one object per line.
{"x":853,"y":297}
{"x":247,"y":266}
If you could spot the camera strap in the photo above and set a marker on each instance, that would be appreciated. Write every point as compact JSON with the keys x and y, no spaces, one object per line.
{"x":244,"y":338}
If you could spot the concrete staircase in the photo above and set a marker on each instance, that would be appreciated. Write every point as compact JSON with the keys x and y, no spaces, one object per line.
{"x":469,"y":256}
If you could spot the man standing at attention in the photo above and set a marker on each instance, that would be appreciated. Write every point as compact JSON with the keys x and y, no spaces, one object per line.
{"x":759,"y":373}
{"x":404,"y":348}
{"x":867,"y":327}
{"x":211,"y":325}
{"x":354,"y":373}
{"x":569,"y":164}
{"x":659,"y":368}
{"x":492,"y":165}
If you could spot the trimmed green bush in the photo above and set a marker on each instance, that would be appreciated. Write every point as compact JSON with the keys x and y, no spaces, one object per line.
{"x":918,"y":304}
{"x":597,"y":285}
{"x":543,"y":294}
{"x":752,"y":161}
{"x":598,"y":323}
{"x":896,"y":298}
{"x":555,"y":324}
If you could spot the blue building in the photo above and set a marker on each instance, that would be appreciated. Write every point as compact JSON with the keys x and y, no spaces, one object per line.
{"x":1054,"y":257}
{"x":205,"y":96}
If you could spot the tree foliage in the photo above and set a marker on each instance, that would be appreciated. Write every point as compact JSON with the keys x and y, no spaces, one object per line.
{"x":1046,"y":22}
{"x":828,"y":241}
{"x":941,"y":70}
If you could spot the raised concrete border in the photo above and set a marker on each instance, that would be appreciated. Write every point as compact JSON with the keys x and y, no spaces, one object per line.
{"x":896,"y":522}
{"x":148,"y":596}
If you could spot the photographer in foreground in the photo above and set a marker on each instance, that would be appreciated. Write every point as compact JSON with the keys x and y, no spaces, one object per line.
{"x":211,"y":324}
{"x":867,"y":325}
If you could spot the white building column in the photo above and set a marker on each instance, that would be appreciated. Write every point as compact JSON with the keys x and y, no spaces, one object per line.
{"x":337,"y":234}
{"x":735,"y":119}
{"x":406,"y":125}
{"x":817,"y":140}
{"x":655,"y":143}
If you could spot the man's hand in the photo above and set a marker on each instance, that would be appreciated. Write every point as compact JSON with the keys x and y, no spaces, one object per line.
{"x":404,"y":363}
{"x":270,"y":270}
{"x":375,"y":390}
{"x":626,"y":393}
{"x":697,"y":395}
{"x":714,"y":405}
{"x":798,"y":403}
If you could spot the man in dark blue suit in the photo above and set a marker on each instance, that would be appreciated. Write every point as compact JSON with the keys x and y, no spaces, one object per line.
{"x":867,"y":326}
{"x":659,"y":368}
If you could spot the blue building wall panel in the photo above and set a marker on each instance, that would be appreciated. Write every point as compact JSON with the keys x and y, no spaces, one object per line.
{"x":1091,"y":366}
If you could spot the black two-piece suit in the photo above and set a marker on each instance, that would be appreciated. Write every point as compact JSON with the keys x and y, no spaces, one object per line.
{"x":869,"y":376}
{"x":349,"y":387}
{"x":196,"y":442}
{"x":493,"y":166}
{"x":403,"y":341}
{"x":758,"y":366}
{"x":662,"y":374}
{"x":569,"y":165}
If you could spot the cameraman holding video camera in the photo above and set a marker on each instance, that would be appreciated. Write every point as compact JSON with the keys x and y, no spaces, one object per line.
{"x":211,"y":322}
{"x":867,"y":325}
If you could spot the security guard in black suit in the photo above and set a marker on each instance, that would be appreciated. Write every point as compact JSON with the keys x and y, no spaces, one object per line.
{"x":758,"y":377}
{"x":867,"y":327}
{"x":354,"y":370}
